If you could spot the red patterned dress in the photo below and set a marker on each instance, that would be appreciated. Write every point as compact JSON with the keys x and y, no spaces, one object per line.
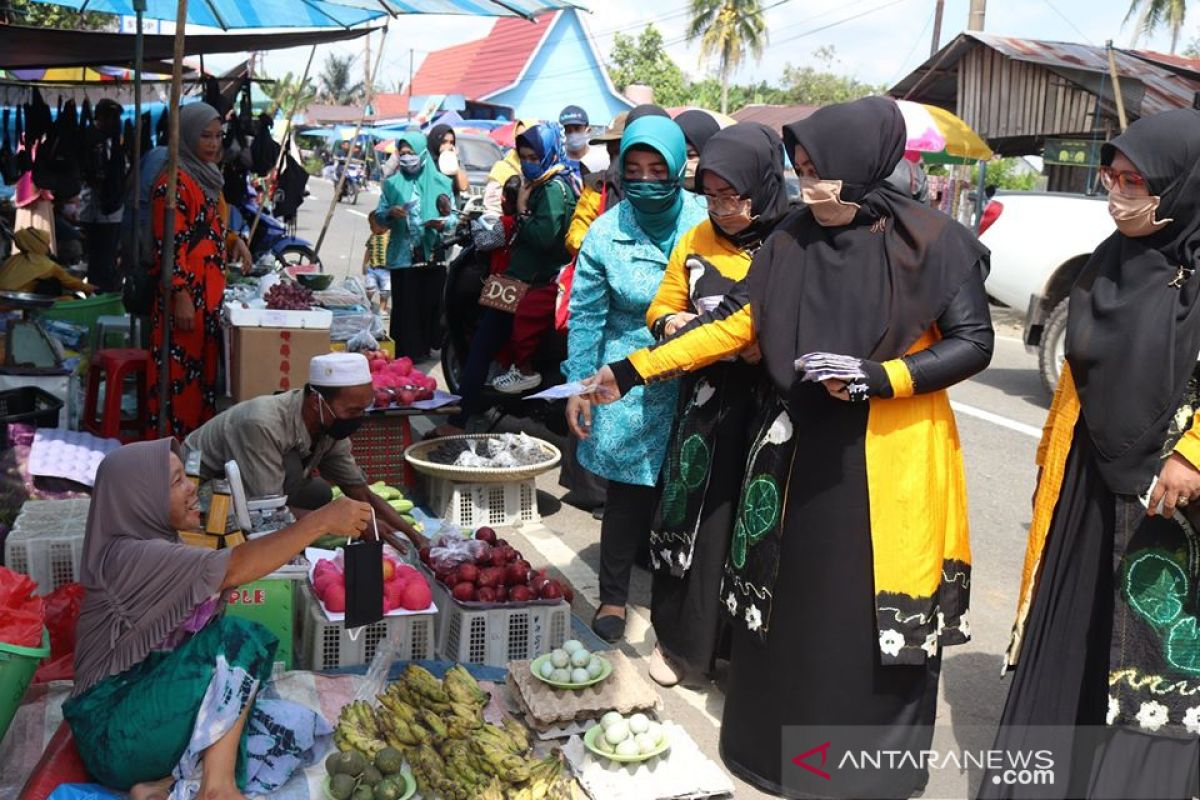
{"x":200,"y":269}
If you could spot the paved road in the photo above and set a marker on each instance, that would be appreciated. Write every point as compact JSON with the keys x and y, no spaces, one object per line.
{"x":999,"y":412}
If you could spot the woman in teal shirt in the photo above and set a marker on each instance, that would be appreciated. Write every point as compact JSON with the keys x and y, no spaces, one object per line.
{"x":408,"y":205}
{"x":620,"y":266}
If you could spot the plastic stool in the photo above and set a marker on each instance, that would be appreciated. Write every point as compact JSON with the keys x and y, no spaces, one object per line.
{"x":128,"y":327}
{"x":113,"y":367}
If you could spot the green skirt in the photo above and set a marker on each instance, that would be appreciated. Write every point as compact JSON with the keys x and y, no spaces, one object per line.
{"x":135,"y":727}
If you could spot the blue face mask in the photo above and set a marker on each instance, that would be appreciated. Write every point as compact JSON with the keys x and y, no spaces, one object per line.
{"x":651,"y":197}
{"x":532,"y":170}
{"x":410,"y":163}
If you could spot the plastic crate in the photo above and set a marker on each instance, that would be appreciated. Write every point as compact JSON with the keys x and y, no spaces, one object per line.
{"x":496,"y":636}
{"x":379,"y":445}
{"x":325,"y":645}
{"x":30,"y":405}
{"x":271,"y":603}
{"x":470,"y":505}
{"x":46,"y":541}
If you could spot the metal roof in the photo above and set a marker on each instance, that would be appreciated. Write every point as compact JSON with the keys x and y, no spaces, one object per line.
{"x":1169,"y":82}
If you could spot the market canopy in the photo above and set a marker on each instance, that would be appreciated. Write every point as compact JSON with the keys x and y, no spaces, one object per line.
{"x":472,"y":8}
{"x":42,"y":48}
{"x":229,"y":14}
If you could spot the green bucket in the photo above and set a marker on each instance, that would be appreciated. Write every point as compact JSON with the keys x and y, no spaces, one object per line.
{"x":17,"y":665}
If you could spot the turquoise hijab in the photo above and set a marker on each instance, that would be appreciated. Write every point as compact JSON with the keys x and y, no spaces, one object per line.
{"x":427,"y":184}
{"x":656,"y":204}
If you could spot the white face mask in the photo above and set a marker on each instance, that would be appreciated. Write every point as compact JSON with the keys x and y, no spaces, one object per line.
{"x":448,"y":162}
{"x":577,"y":142}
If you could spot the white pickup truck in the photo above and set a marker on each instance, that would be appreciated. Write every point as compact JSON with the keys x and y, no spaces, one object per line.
{"x":1040,"y":242}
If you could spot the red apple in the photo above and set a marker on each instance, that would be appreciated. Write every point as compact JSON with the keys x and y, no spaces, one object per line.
{"x":521,"y":594}
{"x":538,"y":582}
{"x":491,"y":576}
{"x":404,"y":572}
{"x":568,"y":593}
{"x":500,"y":543}
{"x":416,"y":596}
{"x":498,"y":558}
{"x":335,"y":599}
{"x":501,"y":594}
{"x":463,"y":592}
{"x":424,"y":554}
{"x":551,"y":590}
{"x":468,"y":573}
{"x":487,"y":594}
{"x":486,"y":534}
{"x":516,"y":574}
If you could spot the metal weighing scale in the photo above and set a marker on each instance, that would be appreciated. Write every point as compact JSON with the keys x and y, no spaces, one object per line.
{"x":28,"y":349}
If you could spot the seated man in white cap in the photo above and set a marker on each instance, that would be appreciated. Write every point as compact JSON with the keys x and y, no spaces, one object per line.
{"x":278,"y":441}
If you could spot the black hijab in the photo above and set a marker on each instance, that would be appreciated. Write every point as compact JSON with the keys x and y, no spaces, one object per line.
{"x":698,"y":127}
{"x":749,"y":157}
{"x":1132,"y":337}
{"x":609,"y":181}
{"x":645,"y":110}
{"x":869,"y":289}
{"x":436,"y":134}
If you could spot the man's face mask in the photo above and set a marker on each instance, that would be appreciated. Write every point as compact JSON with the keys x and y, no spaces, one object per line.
{"x":338,"y":427}
{"x":1135,"y":216}
{"x":576,"y":141}
{"x":824,"y":198}
{"x":448,"y":162}
{"x":410,"y":163}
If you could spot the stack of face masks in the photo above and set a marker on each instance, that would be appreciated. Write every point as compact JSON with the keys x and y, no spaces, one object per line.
{"x":819,"y":367}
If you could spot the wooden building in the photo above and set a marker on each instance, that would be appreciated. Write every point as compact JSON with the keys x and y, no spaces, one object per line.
{"x":1051,"y":99}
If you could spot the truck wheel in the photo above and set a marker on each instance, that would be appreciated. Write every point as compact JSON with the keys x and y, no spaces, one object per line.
{"x":1053,"y":347}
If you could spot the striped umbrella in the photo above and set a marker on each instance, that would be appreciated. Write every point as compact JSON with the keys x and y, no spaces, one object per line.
{"x":939,"y":136}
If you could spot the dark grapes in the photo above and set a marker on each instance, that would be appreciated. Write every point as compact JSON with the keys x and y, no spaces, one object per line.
{"x":289,"y":297}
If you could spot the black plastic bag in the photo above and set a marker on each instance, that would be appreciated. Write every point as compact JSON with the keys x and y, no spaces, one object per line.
{"x":364,"y":582}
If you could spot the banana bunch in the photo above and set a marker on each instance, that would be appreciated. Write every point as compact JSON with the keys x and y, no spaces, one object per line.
{"x":358,"y":729}
{"x":462,"y":687}
{"x":420,"y":682}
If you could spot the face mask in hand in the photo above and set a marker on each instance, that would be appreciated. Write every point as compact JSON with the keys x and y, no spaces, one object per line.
{"x":1135,"y":215}
{"x":651,"y":197}
{"x":448,"y":162}
{"x":339,"y":428}
{"x":825,"y":201}
{"x":410,"y":163}
{"x":576,"y":142}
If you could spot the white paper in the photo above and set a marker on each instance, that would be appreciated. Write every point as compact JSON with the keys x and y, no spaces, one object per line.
{"x":74,"y":455}
{"x":709,"y":303}
{"x":438,"y":400}
{"x":563,"y":391}
{"x":316,"y":554}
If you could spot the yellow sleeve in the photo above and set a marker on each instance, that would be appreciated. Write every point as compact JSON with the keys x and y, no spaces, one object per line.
{"x":673,"y":293}
{"x":1189,"y":444}
{"x":727,"y":331}
{"x":586,"y":212}
{"x":69,"y":282}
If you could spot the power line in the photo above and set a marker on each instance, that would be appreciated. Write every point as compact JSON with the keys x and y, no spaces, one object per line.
{"x":842,"y":21}
{"x":920,"y":36}
{"x":1068,"y":20}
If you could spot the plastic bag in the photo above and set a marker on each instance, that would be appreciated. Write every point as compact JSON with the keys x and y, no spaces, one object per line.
{"x":62,"y":614}
{"x":22,"y":611}
{"x":447,"y":551}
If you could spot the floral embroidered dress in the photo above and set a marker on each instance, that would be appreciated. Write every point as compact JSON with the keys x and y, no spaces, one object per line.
{"x":200,"y":270}
{"x":616,"y":278}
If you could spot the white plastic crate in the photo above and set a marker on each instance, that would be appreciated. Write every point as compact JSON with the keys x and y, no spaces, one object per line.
{"x":46,"y":541}
{"x":496,"y":636}
{"x":470,"y":505}
{"x":325,"y":645}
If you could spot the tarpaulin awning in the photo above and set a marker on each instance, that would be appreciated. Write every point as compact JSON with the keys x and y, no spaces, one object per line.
{"x":40,"y":48}
{"x":229,"y":14}
{"x":472,"y":8}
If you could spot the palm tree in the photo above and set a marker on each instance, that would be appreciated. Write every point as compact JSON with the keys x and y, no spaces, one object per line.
{"x":287,"y":90}
{"x":1153,"y":13}
{"x":335,"y":80}
{"x":727,"y":29}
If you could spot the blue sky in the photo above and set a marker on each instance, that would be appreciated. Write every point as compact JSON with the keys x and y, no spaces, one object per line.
{"x":886,"y":40}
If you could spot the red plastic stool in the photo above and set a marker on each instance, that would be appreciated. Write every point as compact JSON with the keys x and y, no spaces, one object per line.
{"x":113,"y":367}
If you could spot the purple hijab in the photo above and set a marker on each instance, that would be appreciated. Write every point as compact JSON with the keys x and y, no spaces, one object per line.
{"x":141,"y":581}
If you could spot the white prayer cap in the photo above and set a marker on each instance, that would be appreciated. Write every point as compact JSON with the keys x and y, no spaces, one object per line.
{"x":339,"y":369}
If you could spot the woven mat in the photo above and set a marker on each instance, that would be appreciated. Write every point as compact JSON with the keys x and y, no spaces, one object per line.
{"x":545,"y":707}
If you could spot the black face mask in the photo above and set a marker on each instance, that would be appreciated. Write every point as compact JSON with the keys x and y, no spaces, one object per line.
{"x":340,"y":428}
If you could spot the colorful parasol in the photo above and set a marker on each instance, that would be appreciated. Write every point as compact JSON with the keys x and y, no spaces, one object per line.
{"x":939,"y":136}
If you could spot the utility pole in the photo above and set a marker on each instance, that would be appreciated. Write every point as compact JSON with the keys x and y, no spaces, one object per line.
{"x":936,"y":44}
{"x":367,"y":66}
{"x":410,"y":79}
{"x":978,"y":12}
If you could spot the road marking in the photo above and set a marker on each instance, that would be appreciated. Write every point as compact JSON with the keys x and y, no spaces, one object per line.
{"x":996,"y":419}
{"x":580,"y":575}
{"x":362,"y":214}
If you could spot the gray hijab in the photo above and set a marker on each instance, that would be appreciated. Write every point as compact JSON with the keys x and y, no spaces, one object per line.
{"x":193,"y":119}
{"x":141,"y":582}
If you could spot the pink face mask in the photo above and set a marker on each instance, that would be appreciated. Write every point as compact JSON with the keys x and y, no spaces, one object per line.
{"x":1135,"y":216}
{"x":824,"y":198}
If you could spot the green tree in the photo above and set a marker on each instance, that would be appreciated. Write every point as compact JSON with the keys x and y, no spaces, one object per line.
{"x":727,"y":30}
{"x":707,"y":94}
{"x":287,"y":90}
{"x":37,"y":15}
{"x":1151,"y":14}
{"x":643,"y":60}
{"x":1009,"y":173}
{"x":335,"y":80}
{"x":821,"y":85}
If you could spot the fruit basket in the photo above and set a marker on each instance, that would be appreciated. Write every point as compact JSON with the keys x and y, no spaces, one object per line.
{"x":423,"y":458}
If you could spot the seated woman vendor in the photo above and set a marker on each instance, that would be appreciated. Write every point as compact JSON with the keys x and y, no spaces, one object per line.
{"x":279,"y":441}
{"x":166,"y":688}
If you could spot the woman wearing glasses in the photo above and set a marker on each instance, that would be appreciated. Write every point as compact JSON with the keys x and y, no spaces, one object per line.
{"x":1106,"y":633}
{"x":740,"y":173}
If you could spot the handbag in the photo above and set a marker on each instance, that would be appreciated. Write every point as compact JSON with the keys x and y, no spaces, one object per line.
{"x":502,"y":294}
{"x":566,"y":279}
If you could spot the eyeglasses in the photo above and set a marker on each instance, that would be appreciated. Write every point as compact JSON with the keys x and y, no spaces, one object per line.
{"x":1125,"y":182}
{"x":724,"y":204}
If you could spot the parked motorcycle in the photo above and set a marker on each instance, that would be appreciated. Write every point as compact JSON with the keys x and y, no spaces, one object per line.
{"x":355,"y":182}
{"x":272,"y":240}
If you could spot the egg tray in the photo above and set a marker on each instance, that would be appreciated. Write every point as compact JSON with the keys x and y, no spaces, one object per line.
{"x":544,"y":707}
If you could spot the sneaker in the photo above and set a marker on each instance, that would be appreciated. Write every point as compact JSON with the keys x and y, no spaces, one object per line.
{"x":516,"y":382}
{"x":495,"y":371}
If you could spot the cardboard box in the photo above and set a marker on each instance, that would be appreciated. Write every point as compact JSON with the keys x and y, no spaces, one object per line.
{"x":269,"y":360}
